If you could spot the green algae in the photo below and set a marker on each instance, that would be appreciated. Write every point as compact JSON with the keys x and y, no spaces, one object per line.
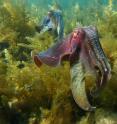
{"x":29,"y":95}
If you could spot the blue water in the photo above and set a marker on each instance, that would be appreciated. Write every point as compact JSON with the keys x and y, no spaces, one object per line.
{"x":70,"y":3}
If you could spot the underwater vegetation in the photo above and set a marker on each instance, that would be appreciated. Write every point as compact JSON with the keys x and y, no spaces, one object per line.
{"x":31,"y":95}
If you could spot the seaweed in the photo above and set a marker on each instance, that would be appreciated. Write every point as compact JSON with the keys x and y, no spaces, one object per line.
{"x":31,"y":95}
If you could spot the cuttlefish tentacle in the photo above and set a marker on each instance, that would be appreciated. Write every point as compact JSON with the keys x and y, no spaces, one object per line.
{"x":78,"y":86}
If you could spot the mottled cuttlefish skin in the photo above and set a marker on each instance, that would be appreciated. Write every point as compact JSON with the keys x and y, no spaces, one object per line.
{"x":83,"y":50}
{"x":100,"y":57}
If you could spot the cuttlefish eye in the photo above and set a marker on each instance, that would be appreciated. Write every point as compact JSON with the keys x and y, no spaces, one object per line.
{"x":50,"y":13}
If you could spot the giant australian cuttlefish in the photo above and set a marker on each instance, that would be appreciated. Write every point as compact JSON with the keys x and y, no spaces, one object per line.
{"x":82,"y":49}
{"x":53,"y":21}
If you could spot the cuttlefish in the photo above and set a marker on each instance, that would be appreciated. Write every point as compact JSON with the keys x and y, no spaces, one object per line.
{"x":83,"y":50}
{"x":53,"y":21}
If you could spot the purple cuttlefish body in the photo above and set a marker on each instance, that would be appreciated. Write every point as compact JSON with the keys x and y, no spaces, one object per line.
{"x":83,"y":50}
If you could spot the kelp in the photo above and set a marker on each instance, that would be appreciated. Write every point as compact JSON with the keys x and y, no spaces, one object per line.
{"x":31,"y":95}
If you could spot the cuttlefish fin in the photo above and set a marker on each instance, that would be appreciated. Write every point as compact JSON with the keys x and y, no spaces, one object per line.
{"x":78,"y":87}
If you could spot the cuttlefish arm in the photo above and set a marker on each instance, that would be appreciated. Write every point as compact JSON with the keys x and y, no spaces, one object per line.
{"x":55,"y":54}
{"x":78,"y":86}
